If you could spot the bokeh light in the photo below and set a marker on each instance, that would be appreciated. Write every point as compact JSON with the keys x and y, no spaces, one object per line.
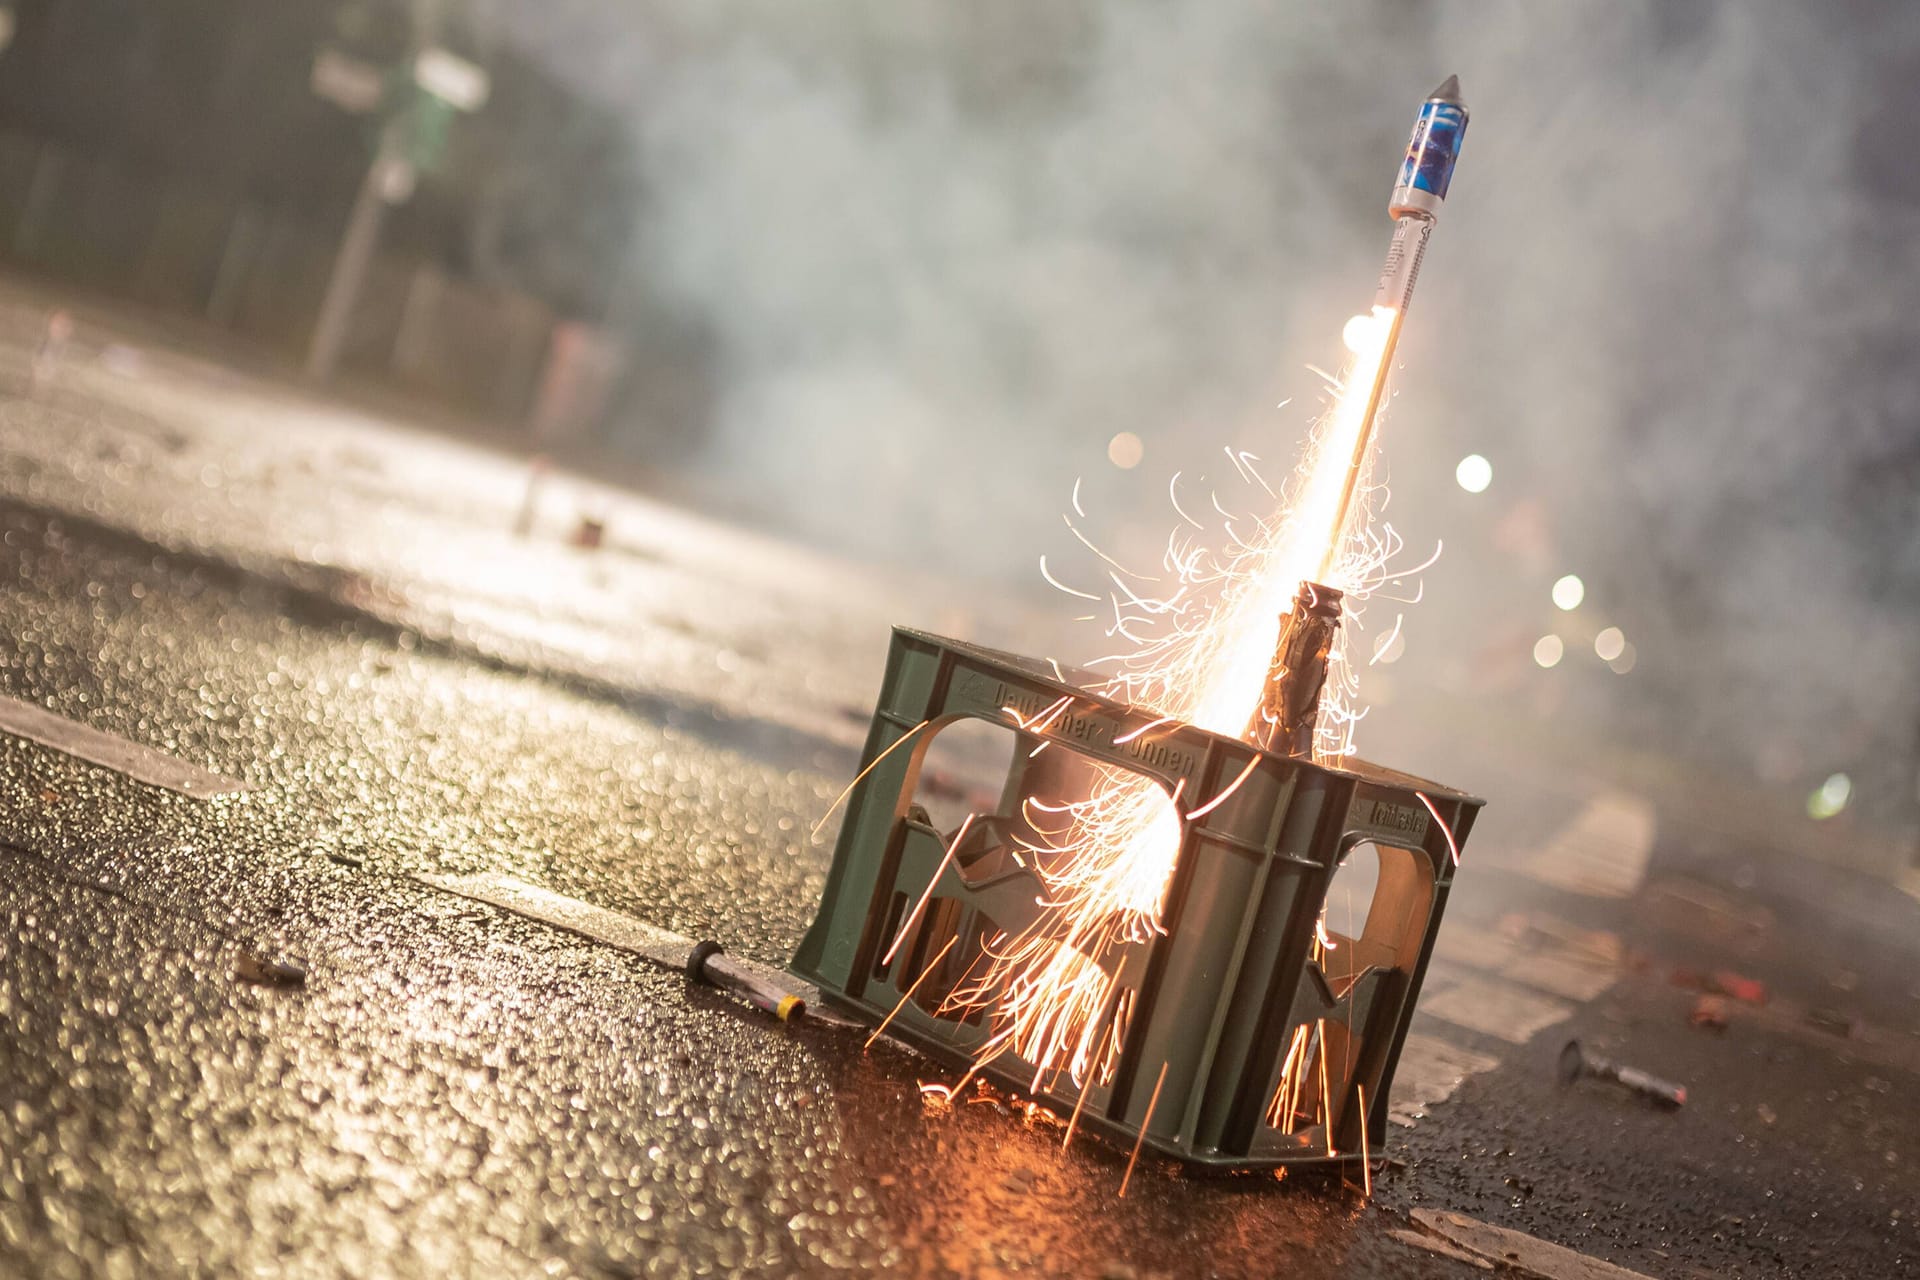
{"x":1474,"y":473}
{"x":1610,"y":644}
{"x":1548,"y":650}
{"x":1830,"y":797}
{"x":1125,"y":451}
{"x":1569,"y":592}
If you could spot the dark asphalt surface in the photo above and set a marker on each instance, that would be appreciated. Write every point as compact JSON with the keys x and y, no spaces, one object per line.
{"x":347,"y":626}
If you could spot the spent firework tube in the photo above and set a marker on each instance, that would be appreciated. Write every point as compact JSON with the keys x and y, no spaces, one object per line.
{"x":1420,"y":190}
{"x":708,"y":963}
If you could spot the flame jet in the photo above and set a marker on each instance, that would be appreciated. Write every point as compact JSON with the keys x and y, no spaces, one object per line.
{"x":1290,"y":706}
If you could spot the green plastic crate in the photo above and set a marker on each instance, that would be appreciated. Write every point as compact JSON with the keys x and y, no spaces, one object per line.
{"x":1219,"y":999}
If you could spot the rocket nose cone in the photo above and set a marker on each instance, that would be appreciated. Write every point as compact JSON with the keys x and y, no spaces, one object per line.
{"x":1449,"y":91}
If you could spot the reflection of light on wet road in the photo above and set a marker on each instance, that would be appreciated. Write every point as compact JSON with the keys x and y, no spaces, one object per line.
{"x":1512,"y":982}
{"x":426,"y":525}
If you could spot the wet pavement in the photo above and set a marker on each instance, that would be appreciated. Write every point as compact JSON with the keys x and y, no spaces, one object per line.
{"x":343,"y":620}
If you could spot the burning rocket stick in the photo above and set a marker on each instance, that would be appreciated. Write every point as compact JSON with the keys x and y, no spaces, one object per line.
{"x":1290,"y":707}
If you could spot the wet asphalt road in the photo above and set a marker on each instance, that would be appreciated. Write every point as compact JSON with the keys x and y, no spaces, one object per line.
{"x":345,"y":622}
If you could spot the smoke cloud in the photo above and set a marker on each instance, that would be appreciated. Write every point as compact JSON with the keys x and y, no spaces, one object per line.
{"x":945,"y":252}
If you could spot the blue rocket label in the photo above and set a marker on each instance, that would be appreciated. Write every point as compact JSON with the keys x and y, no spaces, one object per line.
{"x":1433,"y":149}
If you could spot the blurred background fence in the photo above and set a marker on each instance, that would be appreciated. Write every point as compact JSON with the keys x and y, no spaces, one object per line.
{"x":258,"y":272}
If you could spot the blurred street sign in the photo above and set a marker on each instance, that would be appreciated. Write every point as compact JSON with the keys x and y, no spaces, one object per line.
{"x":427,"y":126}
{"x":452,"y":79}
{"x":417,"y":117}
{"x":347,"y":82}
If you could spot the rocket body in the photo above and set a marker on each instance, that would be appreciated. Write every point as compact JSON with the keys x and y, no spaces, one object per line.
{"x":1420,"y":190}
{"x":1431,"y":153}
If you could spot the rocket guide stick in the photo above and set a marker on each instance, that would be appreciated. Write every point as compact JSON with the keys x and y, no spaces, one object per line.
{"x":1418,"y":195}
{"x":1287,"y":717}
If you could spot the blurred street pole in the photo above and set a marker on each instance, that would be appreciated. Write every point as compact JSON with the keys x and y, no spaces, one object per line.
{"x":433,"y":75}
{"x":356,"y":251}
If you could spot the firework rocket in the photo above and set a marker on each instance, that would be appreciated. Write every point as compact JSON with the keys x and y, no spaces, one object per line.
{"x":1421,"y":190}
{"x":1290,"y":707}
{"x":1418,"y":194}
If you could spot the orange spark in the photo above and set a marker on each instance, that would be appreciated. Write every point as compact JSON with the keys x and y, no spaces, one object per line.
{"x":1200,"y":653}
{"x":1193,"y":815}
{"x":931,"y":966}
{"x":1453,"y":846}
{"x":1326,"y":1095}
{"x":858,"y":777}
{"x":913,"y":917}
{"x":1366,"y":1158}
{"x":1145,"y":1120}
